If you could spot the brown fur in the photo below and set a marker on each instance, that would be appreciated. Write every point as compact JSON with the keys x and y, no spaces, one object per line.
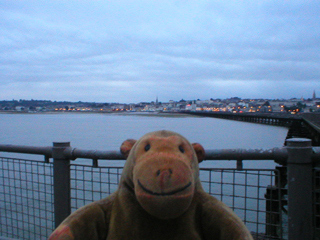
{"x":159,"y":197}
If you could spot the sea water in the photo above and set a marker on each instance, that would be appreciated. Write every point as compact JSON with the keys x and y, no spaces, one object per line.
{"x":108,"y":131}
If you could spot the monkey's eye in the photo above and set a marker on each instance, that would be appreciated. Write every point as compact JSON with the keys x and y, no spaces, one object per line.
{"x":181,"y":148}
{"x":147,"y":147}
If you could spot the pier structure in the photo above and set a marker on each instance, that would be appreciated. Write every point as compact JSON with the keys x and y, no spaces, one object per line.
{"x":304,"y":125}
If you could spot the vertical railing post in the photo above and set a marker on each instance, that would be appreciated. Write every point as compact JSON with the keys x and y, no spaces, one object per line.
{"x":61,"y":181}
{"x":300,"y":180}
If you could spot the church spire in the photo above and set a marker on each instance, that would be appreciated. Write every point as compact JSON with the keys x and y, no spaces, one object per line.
{"x":314,"y":95}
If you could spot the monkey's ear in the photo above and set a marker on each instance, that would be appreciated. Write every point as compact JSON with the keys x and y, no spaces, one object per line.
{"x":126,"y":146}
{"x":199,"y":151}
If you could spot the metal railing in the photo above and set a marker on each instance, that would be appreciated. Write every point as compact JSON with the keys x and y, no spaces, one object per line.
{"x":26,"y":199}
{"x":280,"y":203}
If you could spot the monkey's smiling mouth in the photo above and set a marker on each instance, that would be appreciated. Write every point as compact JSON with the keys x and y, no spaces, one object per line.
{"x":164,"y":193}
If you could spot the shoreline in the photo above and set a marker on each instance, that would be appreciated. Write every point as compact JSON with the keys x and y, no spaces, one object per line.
{"x":146,"y":114}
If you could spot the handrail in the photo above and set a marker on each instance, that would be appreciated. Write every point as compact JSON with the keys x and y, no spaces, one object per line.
{"x":94,"y":154}
{"x":47,"y":151}
{"x":279,"y":155}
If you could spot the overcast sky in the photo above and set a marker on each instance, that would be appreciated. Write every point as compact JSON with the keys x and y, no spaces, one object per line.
{"x":132,"y":51}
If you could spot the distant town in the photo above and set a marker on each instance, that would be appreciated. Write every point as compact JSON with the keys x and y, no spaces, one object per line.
{"x":234,"y":105}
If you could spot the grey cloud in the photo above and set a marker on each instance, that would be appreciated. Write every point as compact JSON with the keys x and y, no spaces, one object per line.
{"x":158,"y":47}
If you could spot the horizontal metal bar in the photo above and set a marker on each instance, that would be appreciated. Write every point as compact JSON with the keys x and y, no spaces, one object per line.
{"x":279,"y":155}
{"x":93,"y":154}
{"x":47,"y":151}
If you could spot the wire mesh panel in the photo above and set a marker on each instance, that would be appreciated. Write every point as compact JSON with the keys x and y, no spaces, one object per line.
{"x":256,"y":196}
{"x":90,"y":184}
{"x":26,"y":199}
{"x":26,"y":195}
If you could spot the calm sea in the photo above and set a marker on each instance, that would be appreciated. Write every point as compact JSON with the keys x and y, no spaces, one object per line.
{"x":108,"y":131}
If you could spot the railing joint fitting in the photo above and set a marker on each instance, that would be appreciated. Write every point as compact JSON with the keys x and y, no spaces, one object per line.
{"x":95,"y":163}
